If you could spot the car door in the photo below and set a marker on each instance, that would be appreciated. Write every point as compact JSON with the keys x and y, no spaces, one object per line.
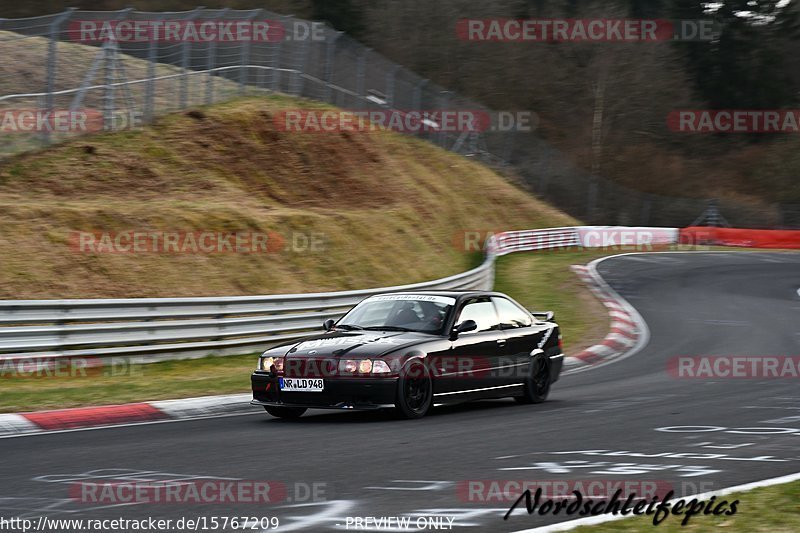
{"x":467,"y":369}
{"x":523,"y":334}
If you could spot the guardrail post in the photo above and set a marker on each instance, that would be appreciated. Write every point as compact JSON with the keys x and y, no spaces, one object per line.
{"x":185,"y":62}
{"x":245,"y":66}
{"x":52,"y":63}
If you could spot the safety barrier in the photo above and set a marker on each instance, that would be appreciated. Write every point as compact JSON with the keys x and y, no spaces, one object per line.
{"x":752,"y":238}
{"x":155,"y":329}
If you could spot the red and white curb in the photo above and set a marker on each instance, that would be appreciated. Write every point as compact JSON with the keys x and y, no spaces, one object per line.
{"x":628,"y":330}
{"x":19,"y":424}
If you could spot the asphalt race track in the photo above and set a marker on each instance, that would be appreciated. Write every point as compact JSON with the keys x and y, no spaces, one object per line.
{"x":369,"y":465}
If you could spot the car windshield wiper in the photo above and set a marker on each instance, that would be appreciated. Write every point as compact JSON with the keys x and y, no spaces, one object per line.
{"x":388,"y":328}
{"x":348,"y":327}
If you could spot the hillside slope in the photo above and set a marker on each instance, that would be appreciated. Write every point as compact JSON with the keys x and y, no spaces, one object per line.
{"x":384,"y":208}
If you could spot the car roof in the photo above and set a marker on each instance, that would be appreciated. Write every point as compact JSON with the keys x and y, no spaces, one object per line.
{"x":452,"y":293}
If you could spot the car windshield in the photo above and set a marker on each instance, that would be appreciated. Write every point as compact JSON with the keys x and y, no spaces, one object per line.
{"x":400,"y":312}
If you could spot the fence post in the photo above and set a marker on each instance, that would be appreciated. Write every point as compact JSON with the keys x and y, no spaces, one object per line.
{"x":591,"y":199}
{"x":508,"y":146}
{"x":297,"y":89}
{"x":276,"y":63}
{"x":647,"y":204}
{"x":417,"y":104}
{"x":444,"y":97}
{"x":109,"y":94}
{"x":185,"y":59}
{"x":544,"y":168}
{"x":211,"y":64}
{"x":113,"y":67}
{"x":361,"y":71}
{"x":149,"y":88}
{"x":327,"y":73}
{"x":245,"y":66}
{"x":390,"y":84}
{"x":52,"y":62}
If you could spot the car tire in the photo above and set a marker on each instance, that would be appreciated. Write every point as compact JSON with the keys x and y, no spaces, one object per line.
{"x":537,"y":384}
{"x":285,"y":412}
{"x":414,"y":396}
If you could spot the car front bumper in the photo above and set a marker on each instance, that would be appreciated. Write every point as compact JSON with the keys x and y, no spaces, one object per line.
{"x":338,"y":393}
{"x":556,"y":364}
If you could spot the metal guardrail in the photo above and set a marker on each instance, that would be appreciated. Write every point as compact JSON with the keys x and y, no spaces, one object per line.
{"x":157,"y":329}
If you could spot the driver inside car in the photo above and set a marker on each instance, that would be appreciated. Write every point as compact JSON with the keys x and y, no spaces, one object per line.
{"x":432,"y":315}
{"x":405,"y":316}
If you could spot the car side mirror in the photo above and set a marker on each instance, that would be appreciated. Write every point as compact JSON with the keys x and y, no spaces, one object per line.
{"x":467,"y":325}
{"x":328,"y":324}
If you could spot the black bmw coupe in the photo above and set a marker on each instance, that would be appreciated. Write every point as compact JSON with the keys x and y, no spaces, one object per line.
{"x":411,"y":351}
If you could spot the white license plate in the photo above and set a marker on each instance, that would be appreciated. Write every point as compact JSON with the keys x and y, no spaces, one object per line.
{"x":301,"y":384}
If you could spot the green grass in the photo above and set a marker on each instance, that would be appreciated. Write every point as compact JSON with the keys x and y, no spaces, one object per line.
{"x":543,"y":281}
{"x":125,"y":384}
{"x":769,"y":509}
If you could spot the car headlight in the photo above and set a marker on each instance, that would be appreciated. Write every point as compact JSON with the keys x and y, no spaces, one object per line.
{"x":364,"y":366}
{"x":380,"y":367}
{"x":267,"y":363}
{"x":348,"y":366}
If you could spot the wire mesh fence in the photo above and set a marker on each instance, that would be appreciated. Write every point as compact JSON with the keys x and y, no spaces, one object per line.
{"x":76,"y":72}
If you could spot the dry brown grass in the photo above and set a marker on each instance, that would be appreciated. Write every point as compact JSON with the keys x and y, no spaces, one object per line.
{"x":387,"y":205}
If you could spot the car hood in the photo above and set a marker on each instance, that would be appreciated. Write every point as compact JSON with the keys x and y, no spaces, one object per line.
{"x":353,"y":344}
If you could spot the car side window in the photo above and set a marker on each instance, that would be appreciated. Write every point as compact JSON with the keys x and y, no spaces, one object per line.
{"x":511,"y":316}
{"x":483,"y":313}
